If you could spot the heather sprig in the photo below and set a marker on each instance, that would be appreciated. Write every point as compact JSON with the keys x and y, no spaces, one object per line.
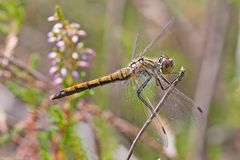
{"x":69,"y":56}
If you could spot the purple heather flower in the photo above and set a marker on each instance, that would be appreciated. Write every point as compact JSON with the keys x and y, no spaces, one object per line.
{"x":85,"y":57}
{"x":80,"y":46}
{"x":66,"y":38}
{"x":60,"y":44}
{"x":82,"y":33}
{"x":75,"y":55}
{"x":62,"y":49}
{"x":58,"y":26}
{"x":52,"y":55}
{"x":75,"y":39}
{"x":58,"y":80}
{"x":63,"y":72}
{"x":50,"y":34}
{"x":56,"y":30}
{"x":75,"y":25}
{"x":53,"y":70}
{"x":55,"y":60}
{"x":83,"y":64}
{"x":75,"y":74}
{"x":58,"y":37}
{"x":90,"y":52}
{"x":57,"y":75}
{"x":52,"y":18}
{"x":51,"y":39}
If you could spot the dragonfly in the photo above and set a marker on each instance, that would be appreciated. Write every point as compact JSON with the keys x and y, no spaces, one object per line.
{"x":154,"y":69}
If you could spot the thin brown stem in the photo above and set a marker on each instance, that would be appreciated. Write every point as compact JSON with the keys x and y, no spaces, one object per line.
{"x":21,"y":65}
{"x":28,"y":80}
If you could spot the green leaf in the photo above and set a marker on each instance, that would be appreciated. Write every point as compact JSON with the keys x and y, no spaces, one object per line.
{"x":12,"y":13}
{"x":27,"y":94}
{"x":72,"y":145}
{"x":56,"y":116}
{"x":236,"y":2}
{"x":4,"y":28}
{"x":107,"y":139}
{"x":4,"y":138}
{"x":58,"y":12}
{"x":3,"y":16}
{"x":34,"y":60}
{"x":43,"y":138}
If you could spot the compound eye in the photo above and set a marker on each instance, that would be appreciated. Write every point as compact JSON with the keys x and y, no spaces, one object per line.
{"x":171,"y":61}
{"x":160,"y":59}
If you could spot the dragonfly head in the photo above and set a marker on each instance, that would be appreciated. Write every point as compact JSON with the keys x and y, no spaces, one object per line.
{"x":166,"y":64}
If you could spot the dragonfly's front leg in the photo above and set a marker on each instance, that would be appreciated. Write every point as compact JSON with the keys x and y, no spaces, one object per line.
{"x":139,"y":93}
{"x":158,"y":81}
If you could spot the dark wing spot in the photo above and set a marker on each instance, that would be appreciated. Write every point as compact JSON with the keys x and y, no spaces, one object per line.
{"x":200,"y":110}
{"x":163,"y":130}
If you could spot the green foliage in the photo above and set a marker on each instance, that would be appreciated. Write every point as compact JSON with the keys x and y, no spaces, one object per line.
{"x":227,"y":104}
{"x":72,"y":145}
{"x":11,"y":15}
{"x":56,"y":116}
{"x":236,"y":2}
{"x":58,"y":12}
{"x":43,"y":138}
{"x":129,"y":33}
{"x":5,"y":138}
{"x":34,"y":60}
{"x":28,"y":94}
{"x":215,"y":152}
{"x":142,"y":149}
{"x":107,"y":139}
{"x":233,"y":110}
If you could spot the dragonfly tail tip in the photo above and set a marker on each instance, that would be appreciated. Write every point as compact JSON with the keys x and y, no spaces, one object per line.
{"x":53,"y":97}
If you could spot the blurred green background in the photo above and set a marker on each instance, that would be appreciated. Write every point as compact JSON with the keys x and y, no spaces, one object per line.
{"x":204,"y":39}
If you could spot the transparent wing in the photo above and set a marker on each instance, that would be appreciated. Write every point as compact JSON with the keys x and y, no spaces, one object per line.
{"x":157,"y":129}
{"x":140,"y":113}
{"x":135,"y":48}
{"x":180,"y":110}
{"x":159,"y":36}
{"x":164,"y":30}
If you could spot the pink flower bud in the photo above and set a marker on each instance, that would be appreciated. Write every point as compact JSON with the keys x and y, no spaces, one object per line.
{"x":75,"y":55}
{"x":53,"y":70}
{"x":82,"y":33}
{"x":75,"y":74}
{"x":83,"y":64}
{"x":52,"y":55}
{"x":64,"y":72}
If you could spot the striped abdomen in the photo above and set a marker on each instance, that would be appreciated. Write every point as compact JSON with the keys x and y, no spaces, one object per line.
{"x":119,"y":75}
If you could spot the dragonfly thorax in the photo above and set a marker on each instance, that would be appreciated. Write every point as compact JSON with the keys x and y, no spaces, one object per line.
{"x":166,"y":64}
{"x":140,"y":64}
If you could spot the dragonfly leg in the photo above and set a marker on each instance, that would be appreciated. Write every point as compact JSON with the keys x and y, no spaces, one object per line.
{"x":139,"y":93}
{"x":158,"y":81}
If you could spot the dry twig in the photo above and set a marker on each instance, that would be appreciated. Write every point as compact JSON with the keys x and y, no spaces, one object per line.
{"x":8,"y":50}
{"x":21,"y":65}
